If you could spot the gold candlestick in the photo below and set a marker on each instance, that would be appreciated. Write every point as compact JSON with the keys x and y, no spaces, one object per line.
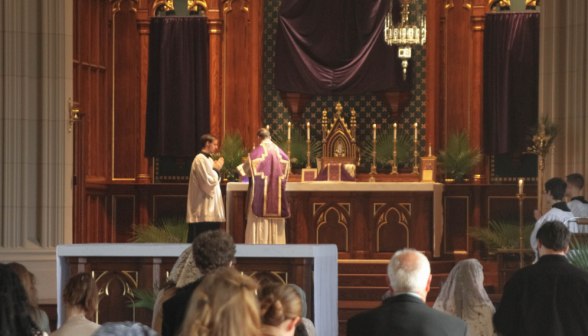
{"x":415,"y":169}
{"x":308,"y":153}
{"x":289,"y":147}
{"x":394,"y":165}
{"x":521,"y":198}
{"x":374,"y":170}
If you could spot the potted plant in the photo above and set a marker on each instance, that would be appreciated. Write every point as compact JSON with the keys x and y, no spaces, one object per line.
{"x":232,"y":151}
{"x":502,"y":234}
{"x":385,"y":150}
{"x":166,"y":230}
{"x":298,"y":147}
{"x":459,"y":158}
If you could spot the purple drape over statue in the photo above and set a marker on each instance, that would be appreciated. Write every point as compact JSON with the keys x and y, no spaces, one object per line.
{"x":335,"y":47}
{"x":270,"y":167}
{"x":511,"y":81}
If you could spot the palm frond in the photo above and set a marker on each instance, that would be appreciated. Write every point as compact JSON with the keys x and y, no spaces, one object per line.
{"x":459,"y":158}
{"x":578,"y":254}
{"x":166,"y":230}
{"x":385,"y":149}
{"x":144,"y":298}
{"x":503,"y":234}
{"x":298,"y":146}
{"x":232,"y":151}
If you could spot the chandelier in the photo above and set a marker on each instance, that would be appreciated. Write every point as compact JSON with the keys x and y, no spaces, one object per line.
{"x":405,"y":34}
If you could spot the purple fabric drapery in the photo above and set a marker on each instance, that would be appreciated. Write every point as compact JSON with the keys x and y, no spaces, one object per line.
{"x":178,"y":111}
{"x":511,"y":80}
{"x":336,"y":47}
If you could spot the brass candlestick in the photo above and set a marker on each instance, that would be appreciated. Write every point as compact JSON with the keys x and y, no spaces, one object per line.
{"x":289,"y":147}
{"x":308,"y":153}
{"x":394,"y":166}
{"x":521,"y":197}
{"x":374,"y":170}
{"x":415,"y":169}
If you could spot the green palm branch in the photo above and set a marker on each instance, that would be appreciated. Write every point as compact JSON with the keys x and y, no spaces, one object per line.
{"x":503,"y":234}
{"x":385,"y":149}
{"x":458,"y":158}
{"x":144,"y":298}
{"x":166,"y":230}
{"x":298,"y":146}
{"x":232,"y":151}
{"x":578,"y":254}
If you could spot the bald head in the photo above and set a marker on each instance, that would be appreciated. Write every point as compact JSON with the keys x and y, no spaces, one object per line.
{"x":409,"y":272}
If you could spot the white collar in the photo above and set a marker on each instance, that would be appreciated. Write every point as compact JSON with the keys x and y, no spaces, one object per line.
{"x":266,"y":141}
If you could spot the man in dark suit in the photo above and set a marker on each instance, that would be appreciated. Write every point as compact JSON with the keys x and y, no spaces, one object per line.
{"x":406,"y":313}
{"x":211,"y":250}
{"x":549,"y":297}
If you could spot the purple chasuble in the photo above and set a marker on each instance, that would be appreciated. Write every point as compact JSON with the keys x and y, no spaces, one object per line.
{"x":269,"y":173}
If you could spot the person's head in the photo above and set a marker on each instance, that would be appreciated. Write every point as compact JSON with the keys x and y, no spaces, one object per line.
{"x":281,"y":307}
{"x":208,"y":143}
{"x":224,"y":304}
{"x":28,"y":282}
{"x":409,"y":271}
{"x":553,"y":238}
{"x":124,"y":329}
{"x":302,"y":298}
{"x":81,"y":294}
{"x":555,"y":189}
{"x":263,"y":134}
{"x":212,"y":250}
{"x":575,"y":184}
{"x":14,"y":307}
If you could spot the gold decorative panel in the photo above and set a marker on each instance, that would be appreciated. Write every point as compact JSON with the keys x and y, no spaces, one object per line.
{"x":383,"y":220}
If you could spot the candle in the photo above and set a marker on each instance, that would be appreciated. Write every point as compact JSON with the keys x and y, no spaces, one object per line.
{"x":374,"y":131}
{"x":307,"y":131}
{"x":416,"y":131}
{"x":394,"y":131}
{"x":289,"y":128}
{"x":430,"y":149}
{"x":267,"y":127}
{"x":521,"y":185}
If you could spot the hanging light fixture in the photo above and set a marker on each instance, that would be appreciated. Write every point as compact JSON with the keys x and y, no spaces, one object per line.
{"x":405,"y":34}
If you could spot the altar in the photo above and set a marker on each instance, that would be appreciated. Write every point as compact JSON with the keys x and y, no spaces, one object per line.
{"x":365,"y":220}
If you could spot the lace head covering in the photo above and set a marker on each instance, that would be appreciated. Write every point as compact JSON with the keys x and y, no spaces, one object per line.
{"x":463,"y":294}
{"x":185,"y":271}
{"x":124,"y":329}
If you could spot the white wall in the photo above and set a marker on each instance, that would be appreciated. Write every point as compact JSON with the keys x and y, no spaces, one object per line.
{"x":36,"y":149}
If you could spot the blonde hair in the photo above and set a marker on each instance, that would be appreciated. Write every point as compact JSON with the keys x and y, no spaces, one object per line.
{"x":224,"y":304}
{"x":81,"y":291}
{"x":279,"y":302}
{"x":28,"y":282}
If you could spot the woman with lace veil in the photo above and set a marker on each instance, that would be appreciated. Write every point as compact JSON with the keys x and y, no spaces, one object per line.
{"x":463,"y":295}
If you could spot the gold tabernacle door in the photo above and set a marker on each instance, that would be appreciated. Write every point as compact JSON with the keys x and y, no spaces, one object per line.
{"x":339,"y":142}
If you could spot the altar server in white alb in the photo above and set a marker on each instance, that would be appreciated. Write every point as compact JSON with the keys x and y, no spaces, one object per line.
{"x":205,"y":200}
{"x":267,"y":167}
{"x":577,"y":204}
{"x":555,"y":190}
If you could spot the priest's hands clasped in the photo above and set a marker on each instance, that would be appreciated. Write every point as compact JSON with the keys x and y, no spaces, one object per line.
{"x":218,"y":164}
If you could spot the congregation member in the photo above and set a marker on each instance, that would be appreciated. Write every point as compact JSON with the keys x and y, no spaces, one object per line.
{"x":205,"y":209}
{"x":267,"y":167}
{"x":211,"y":250}
{"x":306,"y":323}
{"x":555,"y":190}
{"x":81,"y":299}
{"x":28,"y":281}
{"x":406,"y":313}
{"x":577,"y":204}
{"x":223,"y":305}
{"x":15,"y":319}
{"x":463,"y":295}
{"x":280,"y":309}
{"x":124,"y":329}
{"x":184,"y":272}
{"x":549,"y":297}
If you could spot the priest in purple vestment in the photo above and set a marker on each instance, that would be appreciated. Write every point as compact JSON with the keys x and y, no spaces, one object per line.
{"x":267,"y":167}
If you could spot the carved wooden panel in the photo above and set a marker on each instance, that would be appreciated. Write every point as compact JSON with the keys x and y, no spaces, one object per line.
{"x":125,"y":90}
{"x":392,"y":226}
{"x":169,"y":206}
{"x":332,"y":222}
{"x":457,"y":216}
{"x":96,"y":228}
{"x":115,"y":290}
{"x":123,"y":217}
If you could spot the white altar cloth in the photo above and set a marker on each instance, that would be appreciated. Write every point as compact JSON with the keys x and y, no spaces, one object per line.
{"x":325,"y":270}
{"x":435,"y":188}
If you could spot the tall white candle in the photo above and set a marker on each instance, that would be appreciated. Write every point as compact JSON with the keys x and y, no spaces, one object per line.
{"x":374,"y":131}
{"x":416,"y":131}
{"x":521,"y":185}
{"x":394,"y":131}
{"x":307,"y":131}
{"x":289,"y":128}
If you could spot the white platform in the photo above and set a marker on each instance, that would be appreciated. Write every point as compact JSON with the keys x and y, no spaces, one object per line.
{"x":325,"y":269}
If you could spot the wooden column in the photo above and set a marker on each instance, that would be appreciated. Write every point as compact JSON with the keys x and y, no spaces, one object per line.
{"x":143,"y":162}
{"x":434,"y":109}
{"x":478,"y":17}
{"x":215,"y":26}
